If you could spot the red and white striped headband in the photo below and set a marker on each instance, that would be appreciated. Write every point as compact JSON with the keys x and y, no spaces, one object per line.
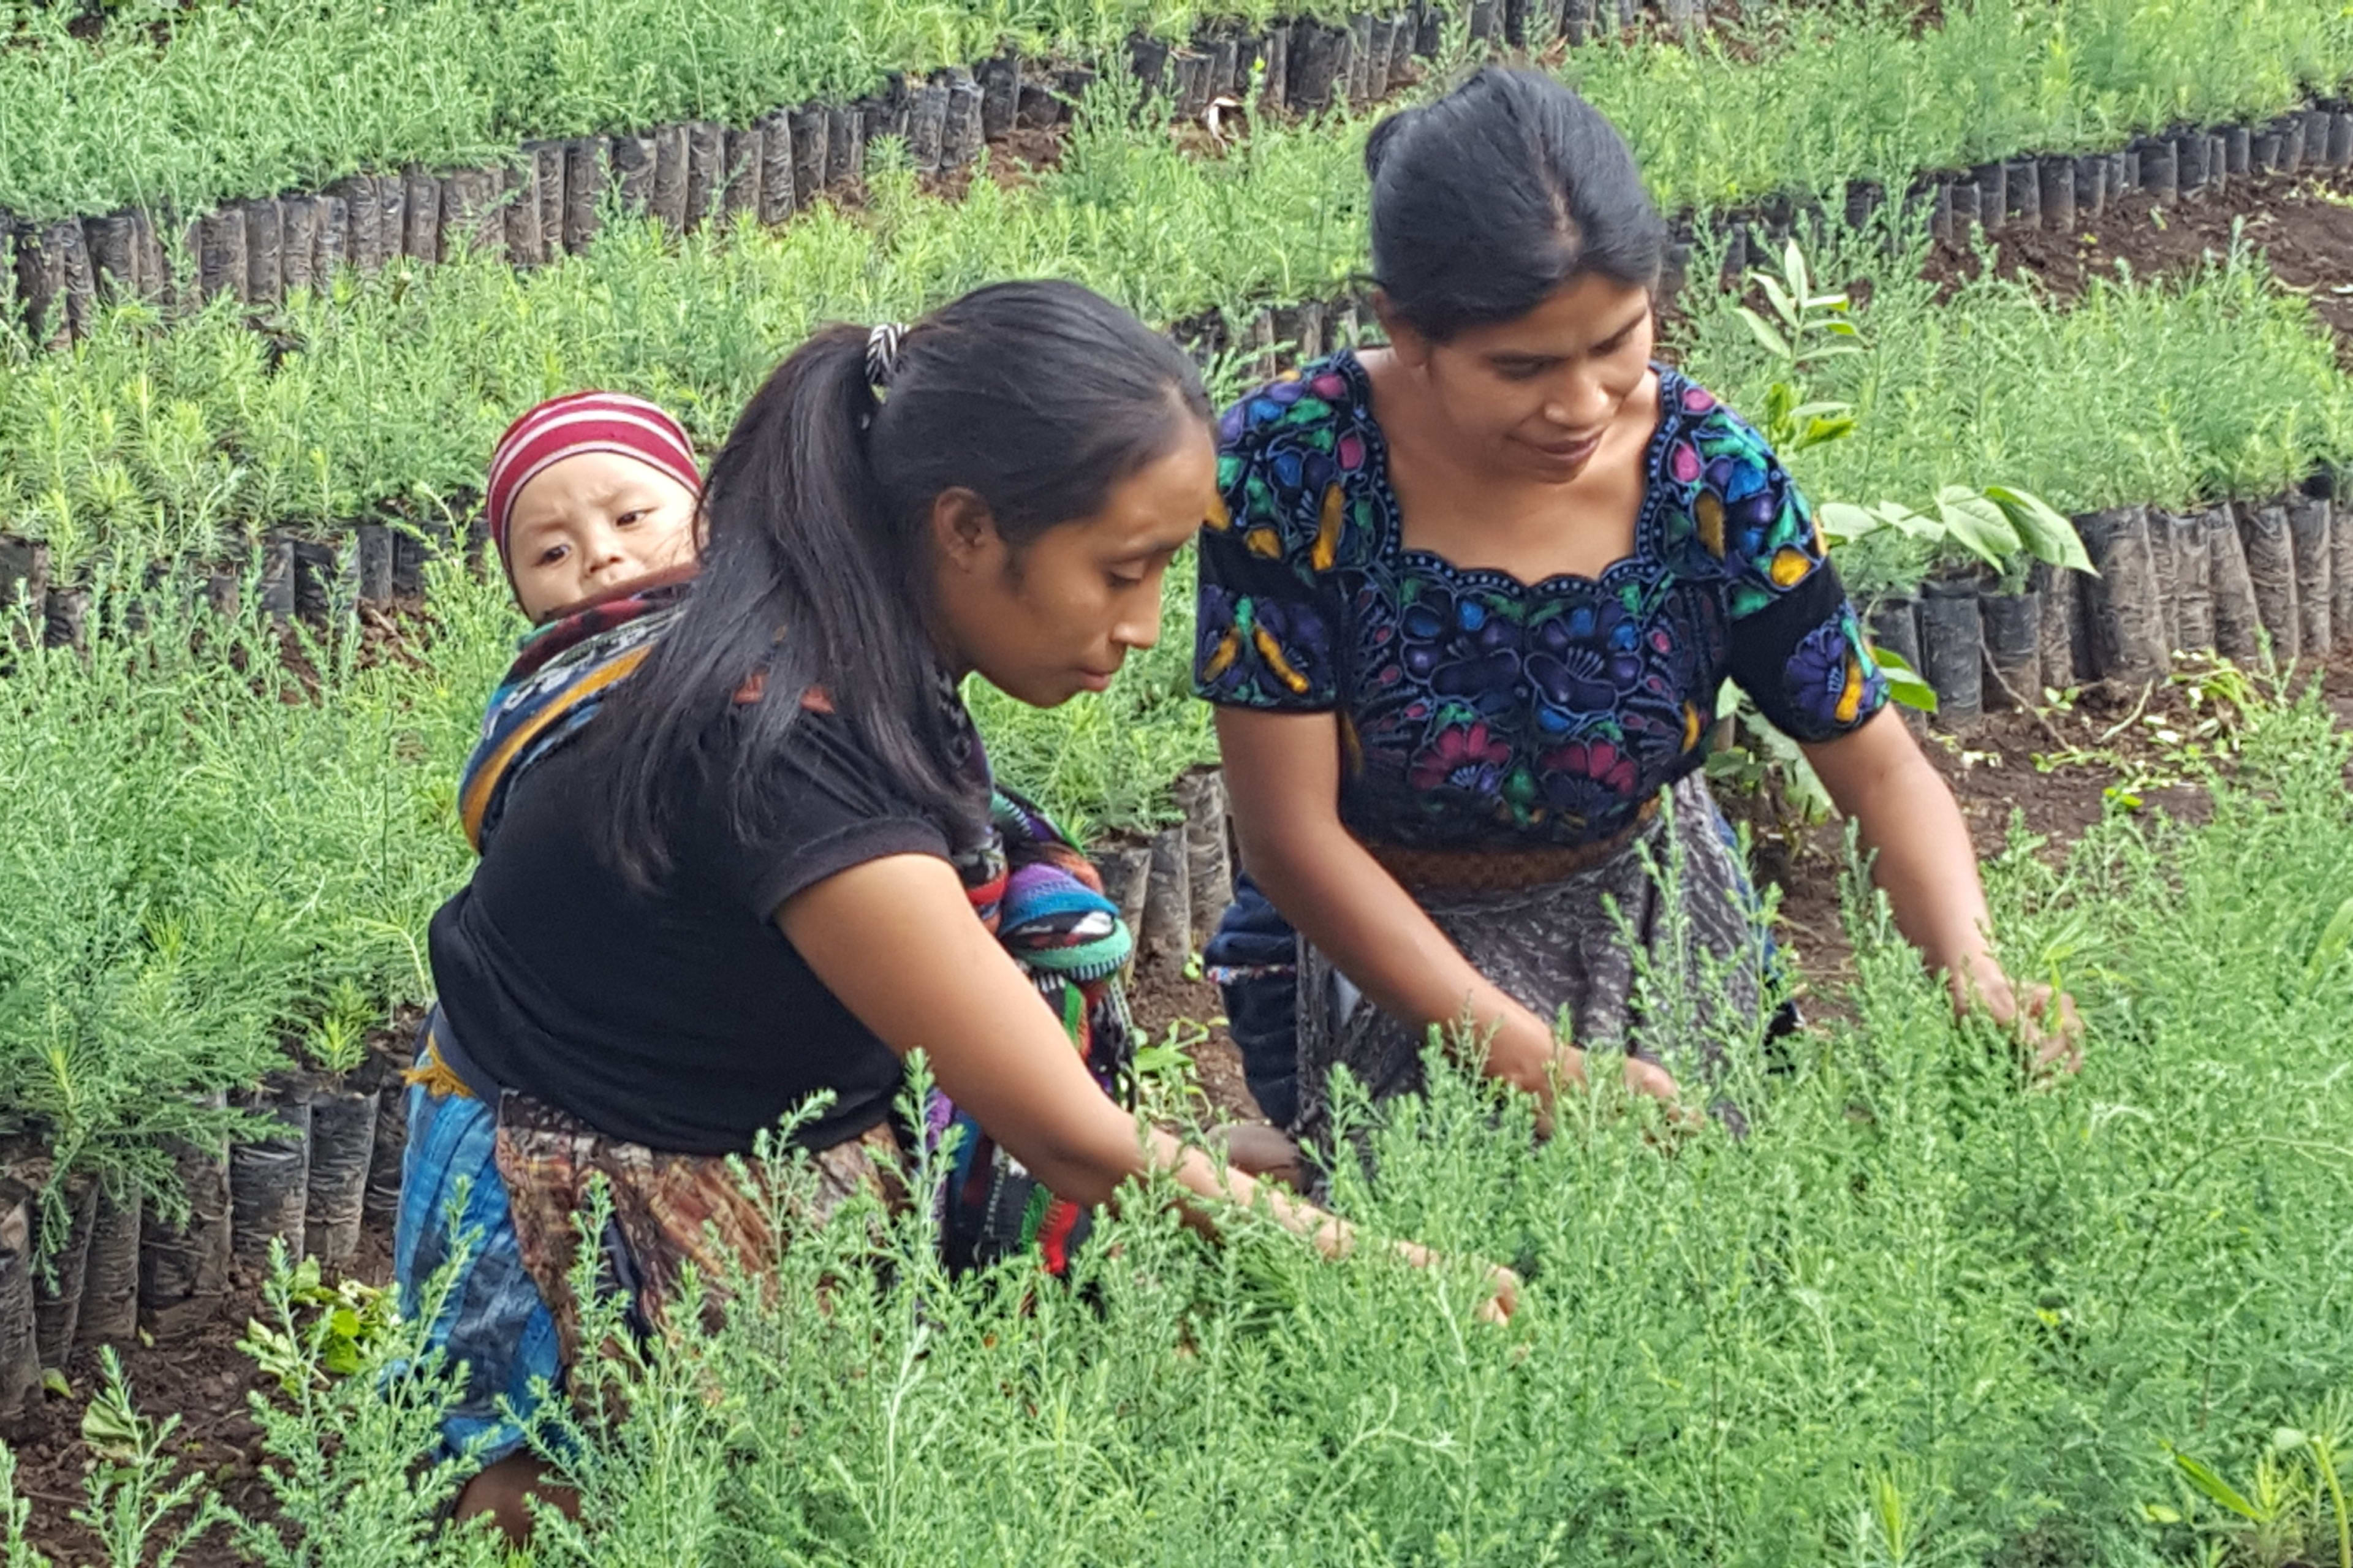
{"x":584,"y":422}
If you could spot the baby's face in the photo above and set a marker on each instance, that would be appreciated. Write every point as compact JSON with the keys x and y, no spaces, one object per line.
{"x":592,"y":522}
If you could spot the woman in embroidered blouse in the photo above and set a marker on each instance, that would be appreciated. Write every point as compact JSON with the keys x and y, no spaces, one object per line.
{"x":1465,"y":619}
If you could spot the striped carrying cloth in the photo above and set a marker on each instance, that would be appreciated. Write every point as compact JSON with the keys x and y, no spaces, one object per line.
{"x":559,"y":678}
{"x":1045,"y":902}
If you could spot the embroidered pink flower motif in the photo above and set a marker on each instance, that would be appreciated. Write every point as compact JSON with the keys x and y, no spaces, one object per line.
{"x":1463,"y":756}
{"x":1698,"y":400}
{"x":1682,"y":462}
{"x":1600,"y":760}
{"x":1329,"y":386}
{"x":1351,"y":452}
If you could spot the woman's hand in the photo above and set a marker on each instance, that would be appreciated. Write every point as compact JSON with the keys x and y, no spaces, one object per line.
{"x":1503,"y":1293}
{"x":1528,"y":1040}
{"x":1923,"y":859}
{"x":1650,"y":1079}
{"x":2050,"y":1026}
{"x":2045,"y":1020}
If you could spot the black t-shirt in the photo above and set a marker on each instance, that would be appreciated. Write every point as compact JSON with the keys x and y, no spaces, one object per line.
{"x":681,"y":1020}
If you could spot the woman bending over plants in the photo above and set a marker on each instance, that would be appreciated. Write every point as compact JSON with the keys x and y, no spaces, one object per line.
{"x":1465,"y":611}
{"x":741,"y":846}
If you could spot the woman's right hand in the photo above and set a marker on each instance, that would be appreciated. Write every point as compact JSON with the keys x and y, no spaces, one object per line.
{"x":1529,"y":1039}
{"x":1650,"y":1079}
{"x":1503,"y":1285}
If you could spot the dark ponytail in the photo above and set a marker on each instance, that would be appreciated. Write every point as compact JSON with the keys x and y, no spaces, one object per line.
{"x":1490,"y":199}
{"x":1038,"y":397}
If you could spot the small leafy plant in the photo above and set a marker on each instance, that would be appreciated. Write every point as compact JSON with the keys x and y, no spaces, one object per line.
{"x":337,"y":1041}
{"x":2292,"y":1508}
{"x":1996,"y":524}
{"x":323,"y":1330}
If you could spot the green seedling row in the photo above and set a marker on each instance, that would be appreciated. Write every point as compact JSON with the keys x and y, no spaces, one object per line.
{"x":196,"y":861}
{"x":153,"y":443}
{"x":192,"y":105}
{"x":242,"y":101}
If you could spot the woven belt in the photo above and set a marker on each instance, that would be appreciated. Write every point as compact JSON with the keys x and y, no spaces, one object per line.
{"x":1504,"y":870}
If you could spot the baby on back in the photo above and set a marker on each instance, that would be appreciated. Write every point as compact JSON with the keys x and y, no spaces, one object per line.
{"x":594,"y":504}
{"x":589,"y":495}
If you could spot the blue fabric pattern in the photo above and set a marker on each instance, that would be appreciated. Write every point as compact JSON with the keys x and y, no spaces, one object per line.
{"x":493,"y":1319}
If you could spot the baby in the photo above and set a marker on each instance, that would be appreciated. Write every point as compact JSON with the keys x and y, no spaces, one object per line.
{"x":589,"y":494}
{"x":594,"y":502}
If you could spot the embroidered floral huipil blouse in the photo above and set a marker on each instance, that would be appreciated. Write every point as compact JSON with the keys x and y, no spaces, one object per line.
{"x":1480,"y":711}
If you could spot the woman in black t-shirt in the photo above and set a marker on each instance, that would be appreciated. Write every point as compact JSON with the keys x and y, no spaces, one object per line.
{"x":740,"y":848}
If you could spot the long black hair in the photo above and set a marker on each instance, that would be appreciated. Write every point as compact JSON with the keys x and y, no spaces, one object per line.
{"x":1037,"y":397}
{"x":1488,"y":200}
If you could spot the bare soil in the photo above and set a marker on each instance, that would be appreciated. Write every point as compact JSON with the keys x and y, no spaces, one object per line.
{"x":2303,"y":223}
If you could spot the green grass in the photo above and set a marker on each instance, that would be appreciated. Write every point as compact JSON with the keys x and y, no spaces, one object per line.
{"x":1920,"y":1315}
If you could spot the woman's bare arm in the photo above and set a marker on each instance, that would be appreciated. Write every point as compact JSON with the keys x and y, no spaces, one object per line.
{"x":1924,"y":861}
{"x":996,"y":1049}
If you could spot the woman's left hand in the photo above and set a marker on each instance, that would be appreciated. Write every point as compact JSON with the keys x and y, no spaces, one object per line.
{"x":1503,"y":1296}
{"x":2044,"y":1020}
{"x":2049,"y":1026}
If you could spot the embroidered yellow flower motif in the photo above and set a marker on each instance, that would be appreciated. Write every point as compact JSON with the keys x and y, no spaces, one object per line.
{"x":1709,"y":512}
{"x":1790,"y":565}
{"x":1271,"y":652}
{"x":1327,"y":529}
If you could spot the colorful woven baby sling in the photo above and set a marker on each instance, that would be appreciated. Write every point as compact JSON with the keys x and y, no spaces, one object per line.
{"x":1042,"y":897}
{"x":559,"y":678}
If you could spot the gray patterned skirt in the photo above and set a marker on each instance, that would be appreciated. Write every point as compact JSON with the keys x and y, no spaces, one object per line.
{"x":1659,"y":951}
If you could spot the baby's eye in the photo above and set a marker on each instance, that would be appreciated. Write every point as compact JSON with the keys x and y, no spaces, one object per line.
{"x":554,"y":553}
{"x":629,"y":519}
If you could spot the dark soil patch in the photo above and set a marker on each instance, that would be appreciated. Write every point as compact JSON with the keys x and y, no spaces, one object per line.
{"x":204,"y":1380}
{"x":1161,"y":1001}
{"x":2048,"y":776}
{"x":2301,"y":223}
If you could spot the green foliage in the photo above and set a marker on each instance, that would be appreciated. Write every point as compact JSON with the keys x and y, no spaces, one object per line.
{"x":145,"y":1508}
{"x":145,"y":444}
{"x":2138,"y":390}
{"x":1999,"y":525}
{"x":189,"y":105}
{"x":321,"y":1329}
{"x":1816,"y":96}
{"x":185,"y":106}
{"x":1922,"y":1313}
{"x":362,"y":1500}
{"x":2293,"y":1503}
{"x":207,"y":853}
{"x":216,"y":857}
